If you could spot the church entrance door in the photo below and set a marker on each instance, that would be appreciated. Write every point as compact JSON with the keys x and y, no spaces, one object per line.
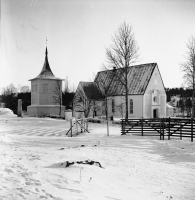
{"x":155,"y":113}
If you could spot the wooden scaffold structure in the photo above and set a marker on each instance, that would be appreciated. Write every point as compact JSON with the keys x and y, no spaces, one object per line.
{"x":77,"y":126}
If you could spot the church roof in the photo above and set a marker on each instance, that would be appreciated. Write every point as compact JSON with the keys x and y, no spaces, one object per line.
{"x":46,"y":72}
{"x":138,"y":79}
{"x":91,"y":90}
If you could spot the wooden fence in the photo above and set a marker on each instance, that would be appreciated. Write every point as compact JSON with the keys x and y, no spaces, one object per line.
{"x":77,"y":126}
{"x":170,"y":127}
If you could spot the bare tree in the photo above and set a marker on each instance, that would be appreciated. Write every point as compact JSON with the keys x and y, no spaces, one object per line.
{"x":122,"y":54}
{"x":25,"y":89}
{"x":57,"y":98}
{"x":81,"y":102}
{"x":67,"y":86}
{"x":9,"y":95}
{"x":188,"y":67}
{"x":104,"y":87}
{"x":121,"y":107}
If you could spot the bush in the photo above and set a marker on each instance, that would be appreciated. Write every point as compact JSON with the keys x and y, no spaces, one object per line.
{"x":54,"y":116}
{"x":95,"y":120}
{"x":116,"y":122}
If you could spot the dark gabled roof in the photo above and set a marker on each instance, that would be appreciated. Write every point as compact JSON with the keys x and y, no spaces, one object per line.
{"x":91,"y":91}
{"x":138,"y":79}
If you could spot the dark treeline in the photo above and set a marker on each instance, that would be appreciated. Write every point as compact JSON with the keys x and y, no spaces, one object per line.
{"x":185,"y":99}
{"x":67,"y":98}
{"x":178,"y":91}
{"x":11,"y":100}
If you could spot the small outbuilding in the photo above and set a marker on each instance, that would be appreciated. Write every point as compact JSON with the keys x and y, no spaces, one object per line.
{"x":169,"y":110}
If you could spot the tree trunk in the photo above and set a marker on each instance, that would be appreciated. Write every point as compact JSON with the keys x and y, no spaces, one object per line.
{"x":106,"y":110}
{"x":126,"y":93}
{"x":60,"y":109}
{"x":193,"y":88}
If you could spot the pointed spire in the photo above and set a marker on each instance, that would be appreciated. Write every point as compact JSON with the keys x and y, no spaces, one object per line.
{"x":46,"y":51}
{"x":46,"y":47}
{"x":46,"y":70}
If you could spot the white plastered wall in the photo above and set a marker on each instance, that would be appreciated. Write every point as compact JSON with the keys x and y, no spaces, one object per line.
{"x":42,"y":103}
{"x":155,"y":88}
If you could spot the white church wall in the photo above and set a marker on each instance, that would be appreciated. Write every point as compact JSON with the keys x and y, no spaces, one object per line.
{"x":120,"y":106}
{"x":156,"y":89}
{"x":137,"y":106}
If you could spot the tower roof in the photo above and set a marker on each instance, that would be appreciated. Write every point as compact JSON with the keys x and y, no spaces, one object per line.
{"x":46,"y":70}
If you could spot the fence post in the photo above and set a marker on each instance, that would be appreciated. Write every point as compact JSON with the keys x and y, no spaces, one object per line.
{"x":164,"y":126}
{"x":160,"y":128}
{"x":122,"y":126}
{"x":142,"y":126}
{"x":83,"y":125}
{"x":76,"y":124}
{"x":180,"y":131}
{"x":86,"y":124}
{"x":192,"y":127}
{"x":169,"y":133}
{"x":71,"y":128}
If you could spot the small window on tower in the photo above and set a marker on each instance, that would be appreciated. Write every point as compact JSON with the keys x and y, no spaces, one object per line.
{"x":45,"y":87}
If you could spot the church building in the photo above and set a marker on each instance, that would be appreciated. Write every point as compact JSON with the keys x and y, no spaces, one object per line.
{"x":146,"y":93}
{"x":46,"y":93}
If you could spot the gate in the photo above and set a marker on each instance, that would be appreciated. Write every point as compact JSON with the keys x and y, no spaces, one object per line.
{"x":77,"y":126}
{"x":170,"y":127}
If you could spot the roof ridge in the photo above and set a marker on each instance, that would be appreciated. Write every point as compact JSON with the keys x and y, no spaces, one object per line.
{"x":130,"y":66}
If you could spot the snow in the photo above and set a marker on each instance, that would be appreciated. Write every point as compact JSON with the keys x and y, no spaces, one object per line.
{"x":6,"y":111}
{"x":134,"y":167}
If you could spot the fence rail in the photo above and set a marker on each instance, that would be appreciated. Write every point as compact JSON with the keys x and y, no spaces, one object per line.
{"x":170,"y":127}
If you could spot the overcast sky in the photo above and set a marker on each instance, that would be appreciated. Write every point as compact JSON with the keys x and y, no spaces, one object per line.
{"x":79,"y":30}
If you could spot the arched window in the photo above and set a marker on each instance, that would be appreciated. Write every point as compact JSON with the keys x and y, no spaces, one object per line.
{"x":131,"y":106}
{"x":113,"y":106}
{"x":155,"y":99}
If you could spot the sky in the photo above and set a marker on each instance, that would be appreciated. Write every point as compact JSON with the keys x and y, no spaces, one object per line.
{"x":79,"y":31}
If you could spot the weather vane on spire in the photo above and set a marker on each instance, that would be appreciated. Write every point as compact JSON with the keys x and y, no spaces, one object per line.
{"x":46,"y":41}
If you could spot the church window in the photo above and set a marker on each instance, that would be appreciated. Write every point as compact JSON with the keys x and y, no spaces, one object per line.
{"x":131,"y":106}
{"x":45,"y":87}
{"x":113,"y":106}
{"x":155,"y":99}
{"x":36,"y":88}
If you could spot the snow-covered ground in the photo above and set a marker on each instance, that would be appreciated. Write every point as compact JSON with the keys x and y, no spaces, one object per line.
{"x":134,"y":167}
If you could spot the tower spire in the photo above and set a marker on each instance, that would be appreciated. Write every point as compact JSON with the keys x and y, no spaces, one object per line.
{"x":46,"y":70}
{"x":46,"y":48}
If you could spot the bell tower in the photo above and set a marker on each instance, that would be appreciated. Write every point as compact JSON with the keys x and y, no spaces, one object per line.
{"x":43,"y":92}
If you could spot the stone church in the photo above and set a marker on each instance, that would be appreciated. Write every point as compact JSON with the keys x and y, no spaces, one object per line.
{"x":46,"y":93}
